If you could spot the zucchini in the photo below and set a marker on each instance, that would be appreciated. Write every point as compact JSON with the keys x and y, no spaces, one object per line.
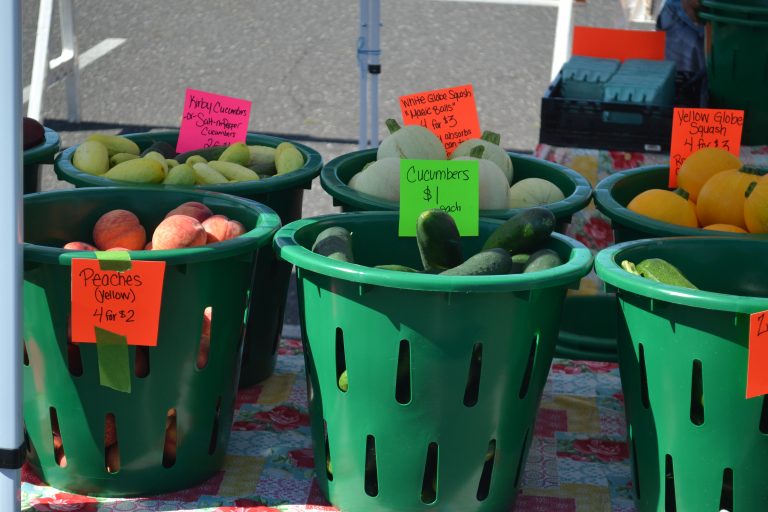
{"x":542,"y":260}
{"x":438,"y":239}
{"x":398,"y":268}
{"x":161,"y":147}
{"x":485,"y":263}
{"x":523,"y":231}
{"x":663,"y":272}
{"x":334,"y":242}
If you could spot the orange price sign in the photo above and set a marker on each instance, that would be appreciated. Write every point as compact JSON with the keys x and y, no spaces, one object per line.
{"x":450,"y":113}
{"x":697,"y":128}
{"x":126,"y":303}
{"x":757,"y":376}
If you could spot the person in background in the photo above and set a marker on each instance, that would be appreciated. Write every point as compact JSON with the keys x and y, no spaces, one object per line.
{"x":685,"y":40}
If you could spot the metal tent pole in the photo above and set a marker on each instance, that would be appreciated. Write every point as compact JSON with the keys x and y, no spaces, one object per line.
{"x":362,"y":60}
{"x":11,"y":437}
{"x":374,"y":67}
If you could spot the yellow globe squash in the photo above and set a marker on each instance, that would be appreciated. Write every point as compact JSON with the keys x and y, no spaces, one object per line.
{"x":725,"y":227}
{"x":664,"y":205}
{"x":721,"y":199}
{"x":756,"y":207}
{"x":702,"y":165}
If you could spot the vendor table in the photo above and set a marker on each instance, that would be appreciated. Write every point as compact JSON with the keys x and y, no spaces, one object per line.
{"x":578,"y":461}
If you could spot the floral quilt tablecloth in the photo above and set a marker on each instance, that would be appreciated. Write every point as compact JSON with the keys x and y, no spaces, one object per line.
{"x":591,"y":227}
{"x":578,"y":460}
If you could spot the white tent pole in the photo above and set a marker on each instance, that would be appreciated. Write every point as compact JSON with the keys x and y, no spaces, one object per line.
{"x":374,"y":67}
{"x":11,"y":437}
{"x":362,"y":59}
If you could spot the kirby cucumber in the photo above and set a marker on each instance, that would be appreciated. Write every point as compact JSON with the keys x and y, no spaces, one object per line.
{"x":438,"y":239}
{"x":542,"y":260}
{"x":485,"y":263}
{"x":334,"y":242}
{"x":523,"y":231}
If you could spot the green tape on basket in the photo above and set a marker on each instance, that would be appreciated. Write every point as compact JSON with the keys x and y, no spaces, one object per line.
{"x":114,"y":369}
{"x":118,"y":261}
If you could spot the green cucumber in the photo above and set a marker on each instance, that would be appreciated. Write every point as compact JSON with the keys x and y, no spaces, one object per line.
{"x":518,"y":262}
{"x":334,"y":242}
{"x":523,"y":231}
{"x":663,"y":272}
{"x":492,"y":262}
{"x":542,"y":260}
{"x":398,"y":268}
{"x":438,"y":239}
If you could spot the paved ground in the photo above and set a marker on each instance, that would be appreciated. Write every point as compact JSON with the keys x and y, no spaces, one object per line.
{"x":296,"y":61}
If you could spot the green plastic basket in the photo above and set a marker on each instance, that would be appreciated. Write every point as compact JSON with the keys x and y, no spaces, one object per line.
{"x":445,"y":373}
{"x":284,"y":195}
{"x":737,"y":62}
{"x":61,"y":379}
{"x":575,"y":187}
{"x":613,"y":194}
{"x":696,"y":442}
{"x":38,"y":155}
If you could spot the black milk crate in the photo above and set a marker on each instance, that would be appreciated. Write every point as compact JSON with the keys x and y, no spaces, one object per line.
{"x":594,"y":124}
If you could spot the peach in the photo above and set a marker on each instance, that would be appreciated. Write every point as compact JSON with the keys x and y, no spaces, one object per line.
{"x":220,"y":228}
{"x":148,"y":247}
{"x":193,"y":209}
{"x":119,"y":228}
{"x":79,"y":246}
{"x":205,"y":349}
{"x":110,"y":433}
{"x":207,"y":321}
{"x":177,"y":232}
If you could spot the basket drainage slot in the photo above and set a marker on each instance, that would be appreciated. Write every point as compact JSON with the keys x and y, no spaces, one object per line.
{"x":341,"y":362}
{"x":670,"y":504}
{"x":58,"y":443}
{"x":141,"y":361}
{"x":215,"y":430}
{"x":171,"y":437}
{"x":429,"y":484}
{"x":697,"y":394}
{"x":529,"y":368}
{"x":764,"y":416}
{"x":726,"y":494}
{"x":403,"y":377}
{"x":521,"y":457}
{"x":205,"y":338}
{"x":371,"y":471}
{"x":328,"y":464}
{"x":111,"y":447}
{"x":485,"y":477}
{"x":473,"y":377}
{"x":635,"y":471}
{"x":26,"y":356}
{"x":643,"y":378}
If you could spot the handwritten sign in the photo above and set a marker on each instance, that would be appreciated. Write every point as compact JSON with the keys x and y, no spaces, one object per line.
{"x":757,"y":377}
{"x":451,"y":114}
{"x":613,"y":43}
{"x":125,"y":302}
{"x":450,"y":185}
{"x":697,"y":128}
{"x":212,"y":120}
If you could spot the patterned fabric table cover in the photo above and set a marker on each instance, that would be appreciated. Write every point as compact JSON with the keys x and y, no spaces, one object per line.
{"x":591,"y":227}
{"x":578,"y":460}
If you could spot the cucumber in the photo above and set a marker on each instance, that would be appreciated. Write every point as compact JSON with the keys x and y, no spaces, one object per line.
{"x":518,"y":262}
{"x":485,"y":263}
{"x":663,"y":272}
{"x":523,"y":231}
{"x":438,"y":239}
{"x":542,"y":260}
{"x":334,"y":242}
{"x":398,"y":268}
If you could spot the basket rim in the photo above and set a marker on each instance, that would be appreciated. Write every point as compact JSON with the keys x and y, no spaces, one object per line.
{"x":609,"y":270}
{"x":267,"y":224}
{"x":66,"y":171}
{"x":289,"y":249}
{"x":43,"y":153}
{"x":338,"y":189}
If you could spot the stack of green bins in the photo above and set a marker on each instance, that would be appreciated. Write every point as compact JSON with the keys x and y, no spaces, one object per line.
{"x":62,"y":391}
{"x":696,"y":442}
{"x":444,"y":373}
{"x":283,"y":194}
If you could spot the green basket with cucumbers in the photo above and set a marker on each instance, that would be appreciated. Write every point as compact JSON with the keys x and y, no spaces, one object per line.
{"x":426,"y":345}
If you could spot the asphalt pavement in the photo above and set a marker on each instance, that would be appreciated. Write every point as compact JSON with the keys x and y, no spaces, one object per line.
{"x":296,"y":62}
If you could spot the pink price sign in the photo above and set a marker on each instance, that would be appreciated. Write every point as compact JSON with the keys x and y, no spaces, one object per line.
{"x":212,"y":120}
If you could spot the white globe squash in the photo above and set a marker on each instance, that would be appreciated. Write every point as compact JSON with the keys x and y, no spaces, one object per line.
{"x":493,"y":152}
{"x":380,"y":179}
{"x":410,"y":142}
{"x":534,"y":192}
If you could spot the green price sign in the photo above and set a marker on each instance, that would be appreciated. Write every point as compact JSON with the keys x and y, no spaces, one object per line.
{"x":450,"y":185}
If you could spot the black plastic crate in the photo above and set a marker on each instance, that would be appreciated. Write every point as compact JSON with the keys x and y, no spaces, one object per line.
{"x":609,"y":125}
